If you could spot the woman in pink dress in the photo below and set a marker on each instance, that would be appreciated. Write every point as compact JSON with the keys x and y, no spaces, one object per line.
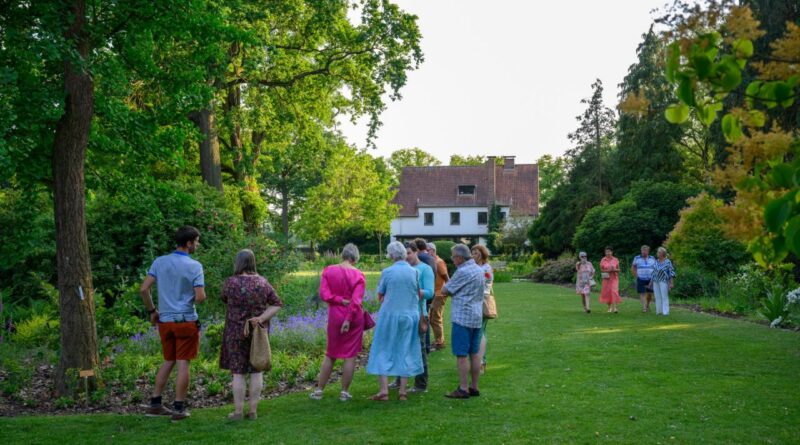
{"x":609,"y":270}
{"x":584,"y":280}
{"x":342,"y":287}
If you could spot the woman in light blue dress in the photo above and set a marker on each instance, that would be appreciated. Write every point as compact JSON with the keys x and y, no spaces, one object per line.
{"x":395,"y":349}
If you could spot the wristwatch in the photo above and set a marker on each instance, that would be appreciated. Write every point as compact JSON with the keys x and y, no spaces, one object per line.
{"x":150,"y":311}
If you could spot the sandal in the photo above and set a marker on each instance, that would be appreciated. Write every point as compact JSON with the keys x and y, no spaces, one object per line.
{"x":402,"y":397}
{"x":345,"y":396}
{"x":380,"y":397}
{"x":234,"y":416}
{"x":316,"y":395}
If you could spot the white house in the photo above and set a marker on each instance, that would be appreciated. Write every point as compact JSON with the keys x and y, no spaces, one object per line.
{"x":453,"y":202}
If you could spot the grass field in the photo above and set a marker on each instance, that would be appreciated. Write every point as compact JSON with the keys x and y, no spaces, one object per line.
{"x":556,"y":375}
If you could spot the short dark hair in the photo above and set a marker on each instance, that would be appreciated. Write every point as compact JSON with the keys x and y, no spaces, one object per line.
{"x":609,"y":248}
{"x":421,"y":244}
{"x":186,"y":234}
{"x":413,"y":246}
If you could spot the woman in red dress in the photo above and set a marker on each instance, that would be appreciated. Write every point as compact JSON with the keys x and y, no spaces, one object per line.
{"x":342,"y":287}
{"x":609,"y":269}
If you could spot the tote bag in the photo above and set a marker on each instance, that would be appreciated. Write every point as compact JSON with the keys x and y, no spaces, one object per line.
{"x":260,"y":351}
{"x":489,"y":305}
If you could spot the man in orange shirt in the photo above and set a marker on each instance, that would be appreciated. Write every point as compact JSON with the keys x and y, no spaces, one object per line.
{"x":437,"y":307}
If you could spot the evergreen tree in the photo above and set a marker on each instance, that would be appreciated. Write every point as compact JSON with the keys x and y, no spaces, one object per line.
{"x":646,"y":142}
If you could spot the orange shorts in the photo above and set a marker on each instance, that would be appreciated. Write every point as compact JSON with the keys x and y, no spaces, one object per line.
{"x":179,"y":341}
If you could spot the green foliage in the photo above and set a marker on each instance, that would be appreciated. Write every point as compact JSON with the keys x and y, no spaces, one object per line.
{"x":698,"y":240}
{"x":775,"y":306}
{"x":443,"y":249}
{"x":39,"y":330}
{"x":744,"y":289}
{"x":645,"y":215}
{"x":213,"y":336}
{"x":409,"y":157}
{"x":561,"y":270}
{"x":536,"y":260}
{"x":694,"y":283}
{"x":646,"y":143}
{"x":552,"y":173}
{"x":503,"y":276}
{"x":466,"y":160}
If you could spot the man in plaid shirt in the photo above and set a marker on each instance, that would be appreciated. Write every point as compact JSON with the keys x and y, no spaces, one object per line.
{"x":466,"y":288}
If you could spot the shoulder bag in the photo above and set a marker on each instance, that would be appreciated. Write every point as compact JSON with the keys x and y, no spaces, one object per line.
{"x":489,"y":305}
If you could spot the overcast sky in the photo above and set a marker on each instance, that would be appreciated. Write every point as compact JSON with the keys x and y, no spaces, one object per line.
{"x":506,"y":77}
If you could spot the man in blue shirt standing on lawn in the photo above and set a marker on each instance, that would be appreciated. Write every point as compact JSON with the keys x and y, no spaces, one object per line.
{"x":642,"y":269}
{"x":180,"y":284}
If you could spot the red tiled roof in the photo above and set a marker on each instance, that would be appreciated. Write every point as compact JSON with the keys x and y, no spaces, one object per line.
{"x":517,"y":187}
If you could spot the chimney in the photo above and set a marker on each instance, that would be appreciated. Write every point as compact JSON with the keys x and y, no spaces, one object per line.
{"x":491,"y":180}
{"x":508,"y":163}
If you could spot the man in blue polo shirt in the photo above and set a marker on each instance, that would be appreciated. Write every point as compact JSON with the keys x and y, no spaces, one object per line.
{"x":642,"y":269}
{"x":180,"y":284}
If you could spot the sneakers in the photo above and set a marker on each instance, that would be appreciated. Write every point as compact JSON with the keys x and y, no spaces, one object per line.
{"x":458,"y":394}
{"x":316,"y":395}
{"x":156,"y":411}
{"x":474,"y":392}
{"x":394,"y":385}
{"x":180,"y":415}
{"x":345,"y":396}
{"x":416,"y":390}
{"x":437,"y":347}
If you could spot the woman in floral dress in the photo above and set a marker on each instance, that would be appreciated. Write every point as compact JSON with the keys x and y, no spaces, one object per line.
{"x":583,"y":282}
{"x":249,"y":299}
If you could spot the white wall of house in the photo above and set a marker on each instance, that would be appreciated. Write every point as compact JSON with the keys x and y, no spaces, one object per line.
{"x":415,"y":225}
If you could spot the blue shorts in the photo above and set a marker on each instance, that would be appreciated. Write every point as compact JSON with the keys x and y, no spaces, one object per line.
{"x":465,"y":341}
{"x":641,"y":286}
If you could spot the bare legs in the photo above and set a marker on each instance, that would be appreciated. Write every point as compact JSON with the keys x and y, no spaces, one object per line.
{"x":469,"y":367}
{"x":586,"y":300}
{"x":256,"y":385}
{"x":181,"y":382}
{"x":348,"y":368}
{"x":383,"y":381}
{"x":646,"y":299}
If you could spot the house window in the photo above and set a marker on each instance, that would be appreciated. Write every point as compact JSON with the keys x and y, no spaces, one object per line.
{"x":466,"y":190}
{"x":428,"y":218}
{"x":455,"y":218}
{"x":483,"y":218}
{"x":502,"y":216}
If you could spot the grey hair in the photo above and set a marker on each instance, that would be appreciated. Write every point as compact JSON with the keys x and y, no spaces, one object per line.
{"x":350,"y":252}
{"x":245,"y":262}
{"x":432,"y":247}
{"x":396,"y":251}
{"x":582,"y":254}
{"x":661,"y":249}
{"x":461,"y":250}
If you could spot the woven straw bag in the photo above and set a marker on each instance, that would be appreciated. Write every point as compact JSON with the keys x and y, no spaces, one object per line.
{"x":260,"y":351}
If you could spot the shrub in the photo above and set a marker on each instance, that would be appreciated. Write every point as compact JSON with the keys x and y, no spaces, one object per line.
{"x":694,"y":283}
{"x":775,"y":307}
{"x":744,"y":289}
{"x":502,"y":276}
{"x":299,"y":294}
{"x":561,"y":270}
{"x":536,"y":259}
{"x":443,"y":249}
{"x":645,"y":215}
{"x":39,"y":330}
{"x":698,"y":240}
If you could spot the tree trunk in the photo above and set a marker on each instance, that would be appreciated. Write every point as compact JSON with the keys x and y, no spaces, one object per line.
{"x":76,"y":299}
{"x":210,"y":166}
{"x":285,"y":211}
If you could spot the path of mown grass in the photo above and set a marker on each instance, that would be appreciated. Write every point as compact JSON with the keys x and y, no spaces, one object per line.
{"x":556,"y":375}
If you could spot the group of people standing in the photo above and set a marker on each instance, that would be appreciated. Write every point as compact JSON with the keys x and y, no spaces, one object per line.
{"x":412,"y":292}
{"x":653,"y":276}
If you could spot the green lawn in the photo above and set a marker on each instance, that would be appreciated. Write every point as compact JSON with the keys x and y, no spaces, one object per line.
{"x":556,"y":375}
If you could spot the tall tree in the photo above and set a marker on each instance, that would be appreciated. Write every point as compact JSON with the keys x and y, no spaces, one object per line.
{"x":409,"y":157}
{"x":552,"y":173}
{"x":594,"y":136}
{"x":646,"y":143}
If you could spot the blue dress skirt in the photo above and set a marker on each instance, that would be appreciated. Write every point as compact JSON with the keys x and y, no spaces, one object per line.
{"x":395,"y":349}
